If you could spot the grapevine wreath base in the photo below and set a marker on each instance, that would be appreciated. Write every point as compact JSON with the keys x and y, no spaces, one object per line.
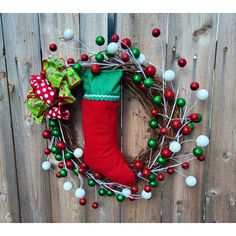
{"x":100,"y":161}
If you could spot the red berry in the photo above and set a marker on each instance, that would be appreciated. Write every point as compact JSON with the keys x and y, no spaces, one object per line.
{"x":147,"y":188}
{"x":193,"y":117}
{"x":169,"y":95}
{"x":47,"y":151}
{"x":163,"y":131}
{"x":84,"y":165}
{"x":194,"y":86}
{"x":166,"y":152}
{"x":53,"y":47}
{"x":176,"y":124}
{"x":146,"y":172}
{"x":95,"y":205}
{"x":81,"y":170}
{"x":134,"y":189}
{"x":125,"y":57}
{"x":186,"y":130}
{"x":61,"y":145}
{"x":143,"y":87}
{"x":126,"y":43}
{"x":82,"y":201}
{"x":150,"y":71}
{"x":70,"y":164}
{"x":138,"y":165}
{"x":58,"y":175}
{"x":61,"y":165}
{"x":96,"y":69}
{"x":154,"y":112}
{"x":185,"y":165}
{"x":43,"y":73}
{"x":170,"y":170}
{"x":111,"y":186}
{"x":70,"y":61}
{"x":182,"y":62}
{"x":84,"y":57}
{"x":156,"y":32}
{"x":131,"y":198}
{"x":97,"y":175}
{"x":201,"y":158}
{"x":115,"y":38}
{"x":160,"y":177}
{"x":46,"y":134}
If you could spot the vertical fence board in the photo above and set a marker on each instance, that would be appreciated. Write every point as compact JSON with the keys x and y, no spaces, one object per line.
{"x":92,"y":25}
{"x":52,"y":27}
{"x":135,"y":131}
{"x":9,"y":202}
{"x":192,"y":35}
{"x":21,"y":37}
{"x":221,"y":182}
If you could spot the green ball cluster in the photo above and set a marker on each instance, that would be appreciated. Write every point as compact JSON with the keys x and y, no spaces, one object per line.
{"x":108,"y":54}
{"x":153,"y":124}
{"x":153,"y":183}
{"x":56,"y":132}
{"x":197,"y":151}
{"x":152,"y":177}
{"x":100,"y":40}
{"x":91,"y":182}
{"x":137,"y":79}
{"x":148,"y":82}
{"x":99,"y":57}
{"x":102,"y":192}
{"x":191,"y":125}
{"x":199,"y":118}
{"x":58,"y":156}
{"x":181,"y":102}
{"x":161,"y":160}
{"x":54,"y":150}
{"x":152,"y":143}
{"x":157,"y":100}
{"x":68,"y":155}
{"x":135,"y":52}
{"x":77,"y":67}
{"x":63,"y":173}
{"x":53,"y":123}
{"x":120,"y":198}
{"x":110,"y":193}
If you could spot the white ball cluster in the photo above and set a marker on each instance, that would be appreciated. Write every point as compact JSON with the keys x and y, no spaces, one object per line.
{"x":126,"y":192}
{"x":141,"y":59}
{"x":78,"y":152}
{"x":202,"y":141}
{"x":46,"y":165}
{"x":191,"y":181}
{"x":67,"y":186}
{"x":79,"y":192}
{"x":112,"y":47}
{"x":175,"y":146}
{"x":146,"y":195}
{"x":68,"y":34}
{"x":202,"y":94}
{"x":169,"y":75}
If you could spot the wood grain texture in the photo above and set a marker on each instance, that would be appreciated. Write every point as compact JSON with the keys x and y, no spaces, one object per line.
{"x":22,"y":45}
{"x":192,"y":35}
{"x":9,"y":199}
{"x":221,"y":182}
{"x":135,"y":130}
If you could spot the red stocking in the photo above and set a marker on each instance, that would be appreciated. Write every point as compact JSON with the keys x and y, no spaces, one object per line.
{"x":100,"y":107}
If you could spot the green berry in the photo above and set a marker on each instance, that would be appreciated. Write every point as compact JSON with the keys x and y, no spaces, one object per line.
{"x":191,"y":125}
{"x":135,"y":52}
{"x":100,"y":40}
{"x":152,"y":177}
{"x":110,"y":193}
{"x":108,"y":54}
{"x":63,"y":173}
{"x":152,"y":143}
{"x":120,"y":198}
{"x":75,"y":171}
{"x":68,"y":156}
{"x":77,"y":67}
{"x":54,"y":150}
{"x":157,"y":100}
{"x":153,"y":124}
{"x":58,"y":156}
{"x":56,"y":132}
{"x":181,"y":102}
{"x":199,"y":118}
{"x":137,"y":79}
{"x":153,"y":184}
{"x":91,"y":182}
{"x":99,"y":57}
{"x":197,"y":151}
{"x":102,"y":192}
{"x":53,"y":123}
{"x":148,"y":82}
{"x":161,"y":160}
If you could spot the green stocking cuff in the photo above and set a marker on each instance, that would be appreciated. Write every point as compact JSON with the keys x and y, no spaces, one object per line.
{"x":105,"y":86}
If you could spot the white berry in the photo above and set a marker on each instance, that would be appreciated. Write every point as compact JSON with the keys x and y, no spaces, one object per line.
{"x":67,"y":186}
{"x":78,"y":152}
{"x":126,"y":192}
{"x":169,"y":75}
{"x":68,"y":34}
{"x":79,"y":192}
{"x":141,"y":59}
{"x":174,"y":146}
{"x":46,"y":165}
{"x":146,"y":195}
{"x":112,"y":47}
{"x":191,"y":181}
{"x":202,"y":141}
{"x":202,"y":94}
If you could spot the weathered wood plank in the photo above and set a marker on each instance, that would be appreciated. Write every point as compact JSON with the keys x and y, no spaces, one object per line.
{"x":221,"y":182}
{"x":52,"y":27}
{"x":92,"y":25}
{"x":192,"y":35}
{"x":9,"y":199}
{"x":138,"y":28}
{"x":21,"y":37}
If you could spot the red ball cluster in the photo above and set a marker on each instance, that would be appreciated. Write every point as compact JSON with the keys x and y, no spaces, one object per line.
{"x":150,"y":71}
{"x":95,"y":69}
{"x":182,"y":62}
{"x":156,"y":32}
{"x":53,"y":47}
{"x":166,"y":152}
{"x":84,"y":57}
{"x":169,"y":95}
{"x":115,"y":38}
{"x":126,"y":43}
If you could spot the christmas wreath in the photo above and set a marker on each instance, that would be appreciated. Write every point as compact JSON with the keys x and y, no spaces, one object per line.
{"x":100,"y":161}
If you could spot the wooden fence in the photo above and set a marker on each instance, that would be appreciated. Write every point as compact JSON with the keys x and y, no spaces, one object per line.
{"x":208,"y":41}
